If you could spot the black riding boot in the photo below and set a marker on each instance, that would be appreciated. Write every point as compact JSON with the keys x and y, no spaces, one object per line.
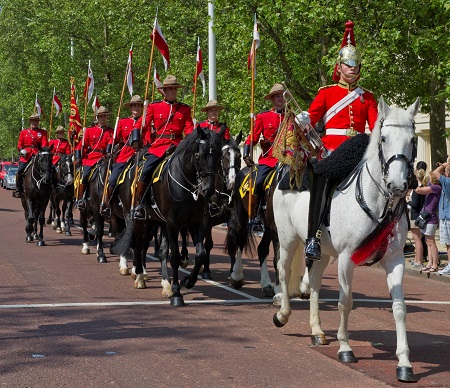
{"x":257,"y":225}
{"x":139,"y":211}
{"x":320,"y":191}
{"x":81,"y":203}
{"x":105,"y":207}
{"x":18,"y":192}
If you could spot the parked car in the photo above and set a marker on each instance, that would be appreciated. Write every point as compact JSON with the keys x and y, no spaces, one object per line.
{"x":4,"y":167}
{"x":9,"y":180}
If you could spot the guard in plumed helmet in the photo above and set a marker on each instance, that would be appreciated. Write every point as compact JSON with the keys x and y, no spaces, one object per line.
{"x":30,"y":140}
{"x":167,"y":121}
{"x":124,"y":140}
{"x":212,"y":110}
{"x":266,"y":127}
{"x":60,"y":145}
{"x":345,"y":109}
{"x":94,"y":146}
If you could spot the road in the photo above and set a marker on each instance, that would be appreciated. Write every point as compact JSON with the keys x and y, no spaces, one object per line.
{"x":67,"y":321}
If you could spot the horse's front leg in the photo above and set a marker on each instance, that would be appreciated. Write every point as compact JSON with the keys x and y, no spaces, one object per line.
{"x":184,"y":251}
{"x":41,"y":219}
{"x":209,"y":243}
{"x":65,"y":224}
{"x":346,"y":269}
{"x":57,"y":219}
{"x":29,"y":218}
{"x":198,"y":237}
{"x":165,"y":281}
{"x":175,"y":259}
{"x":50,"y":214}
{"x":394,"y":271}
{"x":84,"y":226}
{"x":100,"y":225}
{"x":263,"y":253}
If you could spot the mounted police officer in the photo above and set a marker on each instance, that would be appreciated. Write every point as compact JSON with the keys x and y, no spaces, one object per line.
{"x":345,"y":109}
{"x":60,"y":145}
{"x":212,"y":110}
{"x":126,"y":150}
{"x":166,"y":121}
{"x":30,"y":140}
{"x":94,"y":146}
{"x":267,"y":124}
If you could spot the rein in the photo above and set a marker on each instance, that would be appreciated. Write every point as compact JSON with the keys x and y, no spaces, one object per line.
{"x":38,"y":182}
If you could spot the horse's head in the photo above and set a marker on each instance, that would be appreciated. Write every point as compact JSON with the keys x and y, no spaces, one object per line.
{"x":43,"y":164}
{"x":231,"y":160}
{"x":65,"y":169}
{"x":207,"y":158}
{"x":396,"y":145}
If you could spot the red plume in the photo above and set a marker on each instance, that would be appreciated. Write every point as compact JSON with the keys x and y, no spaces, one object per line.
{"x":348,"y":34}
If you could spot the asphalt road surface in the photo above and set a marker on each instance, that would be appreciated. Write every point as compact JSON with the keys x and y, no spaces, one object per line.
{"x":67,"y":321}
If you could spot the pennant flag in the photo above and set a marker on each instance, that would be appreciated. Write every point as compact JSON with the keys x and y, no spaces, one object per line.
{"x":57,"y":103}
{"x":75,"y":126}
{"x":157,"y":81}
{"x":95,"y":105}
{"x":39,"y":110}
{"x":255,"y":44}
{"x":130,"y":75}
{"x":89,"y":86}
{"x":199,"y":67}
{"x":160,"y":42}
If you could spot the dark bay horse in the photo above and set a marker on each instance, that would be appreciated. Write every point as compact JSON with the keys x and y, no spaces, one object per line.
{"x":239,"y":236}
{"x":61,"y":201}
{"x":177,"y":200}
{"x":94,"y":193}
{"x":37,"y":185}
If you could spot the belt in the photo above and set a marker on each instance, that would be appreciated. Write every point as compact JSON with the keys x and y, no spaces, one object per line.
{"x":171,"y":136}
{"x":341,"y":132}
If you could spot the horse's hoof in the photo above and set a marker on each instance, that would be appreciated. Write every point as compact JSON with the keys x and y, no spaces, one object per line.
{"x":187,"y":283}
{"x":206,"y":276}
{"x":276,"y":321}
{"x":347,"y":357}
{"x":268,"y":292}
{"x":36,"y":236}
{"x":86,"y":251}
{"x":41,"y":243}
{"x":184,"y":263}
{"x":58,"y":230}
{"x":30,"y":239}
{"x":124,"y":271}
{"x":305,"y":296}
{"x":68,"y":233}
{"x":406,"y":374}
{"x":320,"y":339}
{"x":177,"y":301}
{"x":101,"y":259}
{"x":236,"y":284}
{"x":139,"y":283}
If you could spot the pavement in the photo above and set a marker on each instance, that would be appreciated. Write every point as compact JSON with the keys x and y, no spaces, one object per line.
{"x":416,"y":271}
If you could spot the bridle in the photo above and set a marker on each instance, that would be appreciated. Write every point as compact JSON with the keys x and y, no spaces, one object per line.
{"x":37,"y":169}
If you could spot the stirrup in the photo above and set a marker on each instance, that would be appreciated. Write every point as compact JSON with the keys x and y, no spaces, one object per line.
{"x":17,"y":194}
{"x":312,"y":249}
{"x":81,"y":204}
{"x":257,"y":225}
{"x":139,"y":213}
{"x":106,"y":212}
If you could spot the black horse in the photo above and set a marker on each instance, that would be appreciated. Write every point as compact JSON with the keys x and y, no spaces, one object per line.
{"x":94,"y":193}
{"x":177,"y":200}
{"x":37,"y":185}
{"x":239,"y":237}
{"x":61,"y":201}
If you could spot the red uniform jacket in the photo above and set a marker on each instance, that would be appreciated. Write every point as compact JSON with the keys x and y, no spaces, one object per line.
{"x":267,"y":124}
{"x":168,"y":122}
{"x":60,"y":146}
{"x":95,"y":141}
{"x":30,"y":140}
{"x":354,"y":116}
{"x":216,"y":127}
{"x":124,"y":129}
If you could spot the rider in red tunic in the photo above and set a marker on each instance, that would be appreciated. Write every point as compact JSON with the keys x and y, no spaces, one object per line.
{"x":93,"y":147}
{"x":167,"y":120}
{"x":212,"y":109}
{"x":30,"y":140}
{"x":126,"y":151}
{"x":60,"y":145}
{"x":346,"y":109}
{"x":267,"y":124}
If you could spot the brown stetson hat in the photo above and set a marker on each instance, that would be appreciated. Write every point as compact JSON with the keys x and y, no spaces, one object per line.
{"x":276,"y":89}
{"x":60,"y":128}
{"x":136,"y":99}
{"x":35,"y":116}
{"x":102,"y":111}
{"x":212,"y":104}
{"x":171,"y":82}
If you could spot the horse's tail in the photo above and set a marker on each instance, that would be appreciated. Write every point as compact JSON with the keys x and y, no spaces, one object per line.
{"x":239,"y":235}
{"x":124,"y":241}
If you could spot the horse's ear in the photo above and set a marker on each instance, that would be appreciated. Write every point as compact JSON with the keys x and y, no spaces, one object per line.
{"x":414,"y":108}
{"x":200,"y":132}
{"x":239,"y":138}
{"x":383,"y":108}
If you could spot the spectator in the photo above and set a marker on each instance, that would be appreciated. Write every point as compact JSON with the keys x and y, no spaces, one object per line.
{"x":415,"y":202}
{"x":444,"y":211}
{"x":433,"y":194}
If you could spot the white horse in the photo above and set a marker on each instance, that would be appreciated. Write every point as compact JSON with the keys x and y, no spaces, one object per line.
{"x":380,"y":184}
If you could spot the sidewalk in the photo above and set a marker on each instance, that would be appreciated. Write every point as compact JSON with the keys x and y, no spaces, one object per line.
{"x":430,"y":275}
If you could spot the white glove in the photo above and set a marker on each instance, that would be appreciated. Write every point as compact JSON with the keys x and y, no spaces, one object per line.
{"x":23,"y":152}
{"x":303,"y":119}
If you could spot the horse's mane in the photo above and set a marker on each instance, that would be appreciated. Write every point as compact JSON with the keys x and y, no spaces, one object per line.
{"x":213,"y":139}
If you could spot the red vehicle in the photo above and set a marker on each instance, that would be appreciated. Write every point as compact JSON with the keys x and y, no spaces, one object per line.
{"x":4,"y":167}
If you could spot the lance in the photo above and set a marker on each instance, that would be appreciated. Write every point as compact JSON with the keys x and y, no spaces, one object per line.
{"x":51,"y":117}
{"x":86,"y":100}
